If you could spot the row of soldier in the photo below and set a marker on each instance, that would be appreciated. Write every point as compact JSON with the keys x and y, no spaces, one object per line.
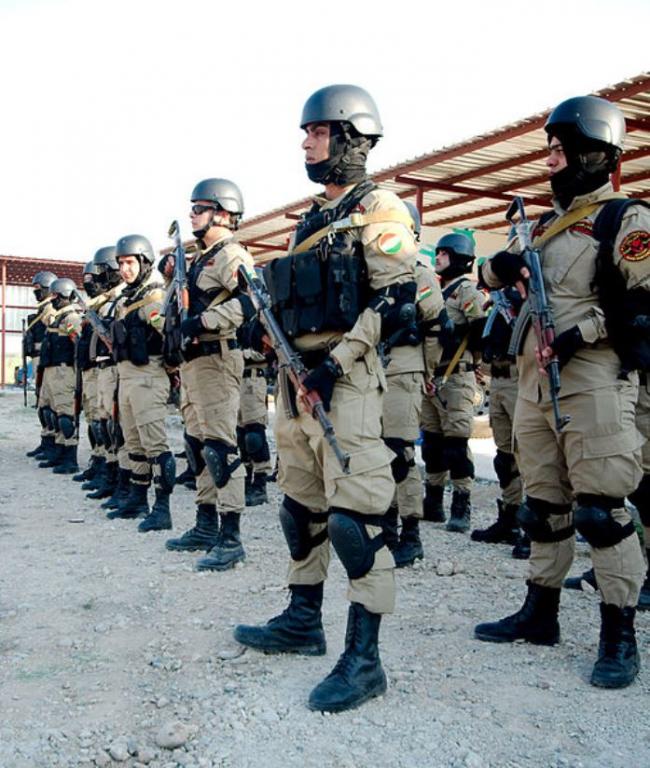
{"x":374,"y":326}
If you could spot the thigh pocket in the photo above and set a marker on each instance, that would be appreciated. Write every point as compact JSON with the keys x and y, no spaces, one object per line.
{"x":368,"y":488}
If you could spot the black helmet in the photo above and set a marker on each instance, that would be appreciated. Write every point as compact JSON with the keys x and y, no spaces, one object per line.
{"x":63,"y":290}
{"x":135,"y":245}
{"x":90,"y":275}
{"x":592,"y":132}
{"x":107,"y":268}
{"x":343,"y":103}
{"x":226,"y":194}
{"x":91,"y":269}
{"x":42,"y":282}
{"x":415,"y":215}
{"x":355,"y":128}
{"x":460,"y":248}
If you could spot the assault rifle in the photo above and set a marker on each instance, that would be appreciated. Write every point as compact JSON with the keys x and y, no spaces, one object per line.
{"x":539,"y":306}
{"x":178,"y":295}
{"x":95,"y":321}
{"x":24,"y":382}
{"x":290,"y":361}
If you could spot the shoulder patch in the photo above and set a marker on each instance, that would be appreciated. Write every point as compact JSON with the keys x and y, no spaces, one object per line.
{"x":635,"y":246}
{"x":390,"y":243}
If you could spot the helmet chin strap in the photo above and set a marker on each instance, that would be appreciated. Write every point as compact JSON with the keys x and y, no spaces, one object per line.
{"x":346,"y":163}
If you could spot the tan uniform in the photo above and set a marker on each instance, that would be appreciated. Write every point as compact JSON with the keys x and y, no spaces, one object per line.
{"x":450,"y":413}
{"x":407,"y":368}
{"x":213,"y":373}
{"x":309,"y":472}
{"x":253,"y":408}
{"x":503,"y":396}
{"x":598,"y":452}
{"x":44,"y":316}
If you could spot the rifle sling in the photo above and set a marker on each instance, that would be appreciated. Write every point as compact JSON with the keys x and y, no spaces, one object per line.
{"x":568,"y":219}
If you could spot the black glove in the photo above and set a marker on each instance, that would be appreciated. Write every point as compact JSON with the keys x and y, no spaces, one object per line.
{"x":507,"y":266}
{"x":322,"y":380}
{"x":567,"y":344}
{"x":192,"y":327}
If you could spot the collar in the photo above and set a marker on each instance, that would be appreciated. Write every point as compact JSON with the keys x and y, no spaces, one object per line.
{"x":582,"y":200}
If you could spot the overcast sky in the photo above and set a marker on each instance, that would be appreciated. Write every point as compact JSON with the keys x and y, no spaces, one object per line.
{"x":112,"y":111}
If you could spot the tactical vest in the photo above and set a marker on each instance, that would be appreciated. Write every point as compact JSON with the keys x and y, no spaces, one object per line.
{"x":34,"y":335}
{"x":133,"y":338}
{"x":499,"y":325}
{"x":200,"y":299}
{"x":82,"y":355}
{"x":59,"y":349}
{"x":324,"y":288}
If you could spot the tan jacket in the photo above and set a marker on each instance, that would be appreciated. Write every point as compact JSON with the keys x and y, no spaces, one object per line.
{"x":464,"y":305}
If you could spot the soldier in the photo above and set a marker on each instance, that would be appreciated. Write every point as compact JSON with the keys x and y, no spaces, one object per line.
{"x":410,"y":357}
{"x":143,"y":384}
{"x":212,"y":375}
{"x":503,"y":395}
{"x":336,"y":293}
{"x":595,"y":459}
{"x":57,"y":360}
{"x":34,"y":336}
{"x":448,"y":415}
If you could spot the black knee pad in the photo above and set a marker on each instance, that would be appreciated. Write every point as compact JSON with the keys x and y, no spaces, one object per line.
{"x":401,"y":464}
{"x":255,"y":443}
{"x":454,"y":450}
{"x":641,"y":500}
{"x":295,"y":519}
{"x":356,"y":550}
{"x":241,"y":434}
{"x":167,"y":477}
{"x":194,"y":454}
{"x":50,"y":418}
{"x":593,"y":519}
{"x":533,"y":517}
{"x":66,"y":425}
{"x":107,"y":438}
{"x":432,"y":453}
{"x":96,"y":428}
{"x":91,"y":437}
{"x":138,"y":457}
{"x":215,"y":454}
{"x":505,"y":467}
{"x":115,"y":429}
{"x":41,"y":417}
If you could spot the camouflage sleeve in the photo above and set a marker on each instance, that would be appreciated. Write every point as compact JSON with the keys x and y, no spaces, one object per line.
{"x":227,"y":316}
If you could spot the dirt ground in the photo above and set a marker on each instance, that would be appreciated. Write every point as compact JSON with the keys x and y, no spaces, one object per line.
{"x":110,"y":647}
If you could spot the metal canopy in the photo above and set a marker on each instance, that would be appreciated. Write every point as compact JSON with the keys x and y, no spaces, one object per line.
{"x":471,"y":183}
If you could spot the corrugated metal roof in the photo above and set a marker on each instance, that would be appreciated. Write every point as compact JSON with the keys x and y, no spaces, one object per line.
{"x":21,"y":269}
{"x":471,"y":183}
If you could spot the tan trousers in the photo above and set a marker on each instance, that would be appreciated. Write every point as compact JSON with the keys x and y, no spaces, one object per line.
{"x":58,"y":387}
{"x":212,"y":390}
{"x":597,"y":453}
{"x":253,"y":409}
{"x":503,"y":396}
{"x":89,"y":401}
{"x":310,"y":473}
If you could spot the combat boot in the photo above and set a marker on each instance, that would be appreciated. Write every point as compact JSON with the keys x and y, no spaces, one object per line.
{"x":298,"y":629}
{"x":389,"y":525}
{"x":357,"y":675}
{"x":121,"y":490}
{"x":644,"y":595}
{"x":228,"y":550}
{"x":159,"y":519}
{"x":68,"y":465}
{"x":575,"y":582}
{"x":459,"y":516}
{"x":521,"y":550}
{"x":96,"y":481}
{"x":410,"y":547}
{"x":39,"y":451}
{"x":204,"y":536}
{"x":536,"y":621}
{"x":135,"y":504}
{"x":185,"y":477}
{"x":504,"y":531}
{"x":90,"y":471}
{"x":618,"y":657}
{"x":108,"y":482}
{"x":256,"y":494}
{"x":432,"y":506}
{"x":53,"y":455}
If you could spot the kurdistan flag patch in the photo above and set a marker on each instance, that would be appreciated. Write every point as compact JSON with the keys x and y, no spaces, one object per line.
{"x":390,"y":243}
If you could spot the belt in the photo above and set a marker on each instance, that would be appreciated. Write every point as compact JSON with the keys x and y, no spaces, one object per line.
{"x":205,"y":348}
{"x":460,"y":368}
{"x":250,"y":372}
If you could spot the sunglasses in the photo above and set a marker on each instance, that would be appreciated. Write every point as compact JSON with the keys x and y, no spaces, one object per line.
{"x":198,"y":209}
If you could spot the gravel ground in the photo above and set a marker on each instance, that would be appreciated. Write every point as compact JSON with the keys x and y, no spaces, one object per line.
{"x":113,"y":651}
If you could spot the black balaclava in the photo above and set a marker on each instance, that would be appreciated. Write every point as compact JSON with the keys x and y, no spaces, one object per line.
{"x":458,"y":265}
{"x":346,"y":164}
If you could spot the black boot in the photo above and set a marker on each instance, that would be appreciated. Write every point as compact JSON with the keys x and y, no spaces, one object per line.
{"x":121,"y":489}
{"x":185,"y":477}
{"x":39,"y":451}
{"x":68,"y":465}
{"x":618,"y":658}
{"x":644,"y":595}
{"x":228,"y":550}
{"x":256,"y":494}
{"x":410,"y":547}
{"x":433,"y":509}
{"x":135,"y":504}
{"x":204,"y":536}
{"x":159,"y":519}
{"x":298,"y":629}
{"x":357,"y":675}
{"x":521,"y":550}
{"x":53,"y":455}
{"x":108,"y":482}
{"x":536,"y":621}
{"x":90,"y":471}
{"x":575,"y":582}
{"x":459,"y":516}
{"x":94,"y":483}
{"x":389,"y":524}
{"x":504,"y":531}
